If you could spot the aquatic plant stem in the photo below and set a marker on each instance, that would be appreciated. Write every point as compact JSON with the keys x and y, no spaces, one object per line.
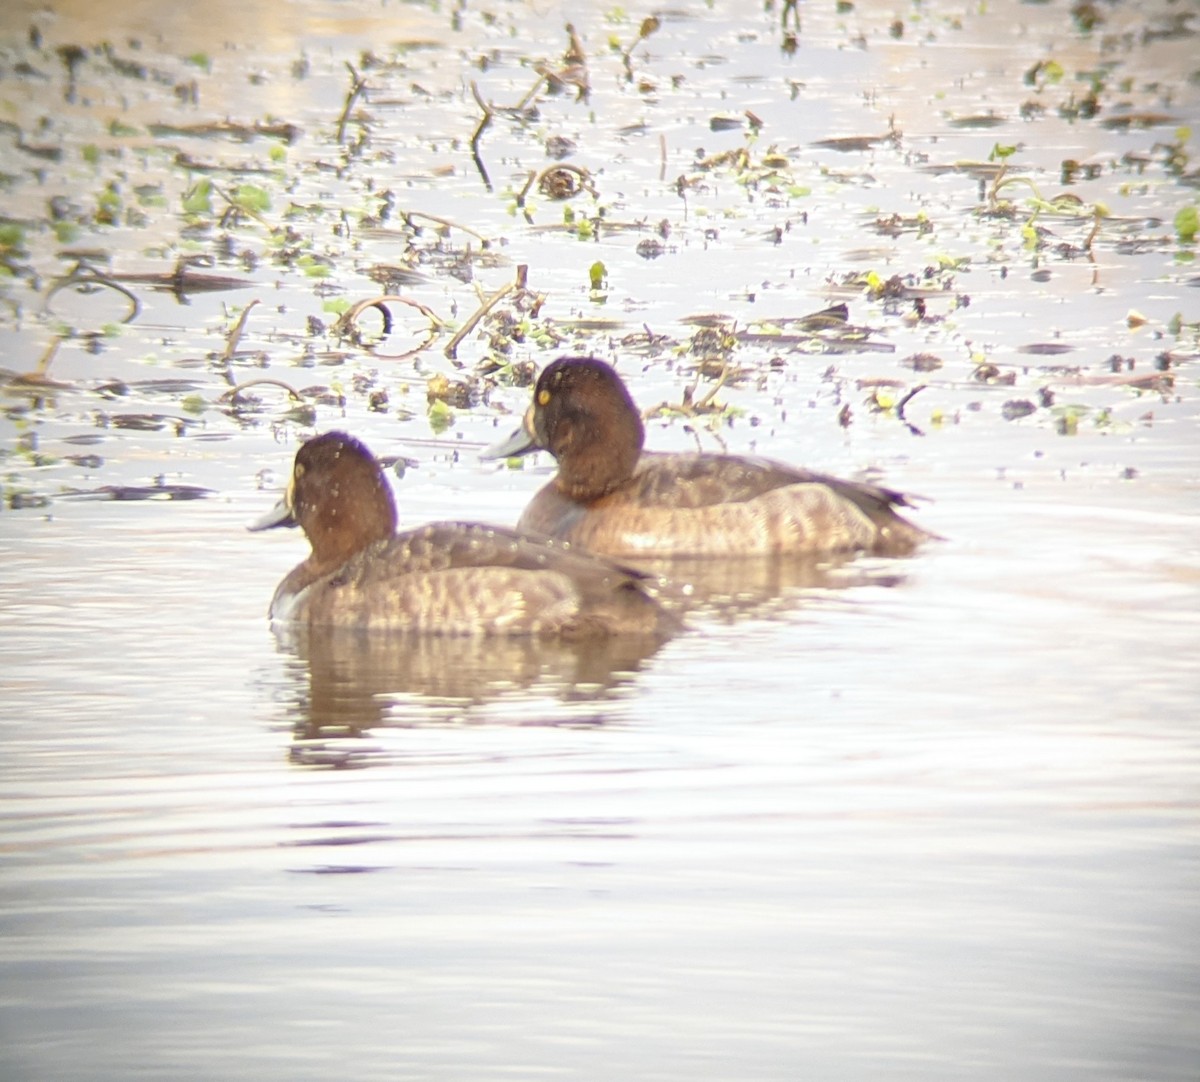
{"x":518,"y":283}
{"x":356,"y":89}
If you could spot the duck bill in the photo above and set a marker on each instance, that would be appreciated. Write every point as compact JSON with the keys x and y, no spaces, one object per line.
{"x":279,"y":515}
{"x":521,"y":442}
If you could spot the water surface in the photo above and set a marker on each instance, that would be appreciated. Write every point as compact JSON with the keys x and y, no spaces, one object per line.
{"x":930,"y":818}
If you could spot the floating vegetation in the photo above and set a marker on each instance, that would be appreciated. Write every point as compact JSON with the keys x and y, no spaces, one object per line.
{"x":87,"y":281}
{"x":422,"y":232}
{"x":347,"y":328}
{"x":126,"y":493}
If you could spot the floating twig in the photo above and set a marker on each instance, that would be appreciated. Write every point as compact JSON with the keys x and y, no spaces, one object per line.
{"x":37,"y":382}
{"x":687,"y":406}
{"x":904,"y":402}
{"x":706,"y":401}
{"x":480,"y":128}
{"x":530,"y":95}
{"x":181,"y":281}
{"x":231,"y":341}
{"x":409,"y":215}
{"x":532,"y":176}
{"x":556,"y":182}
{"x":489,"y":110}
{"x":242,"y":208}
{"x":1098,"y":215}
{"x":356,"y":89}
{"x":345,"y":326}
{"x":516,"y":285}
{"x":352,"y":314}
{"x":43,"y":365}
{"x":234,"y":393}
{"x":89,"y":280}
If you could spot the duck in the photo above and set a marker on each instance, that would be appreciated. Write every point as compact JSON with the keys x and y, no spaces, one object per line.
{"x":611,"y":496}
{"x":443,"y":578}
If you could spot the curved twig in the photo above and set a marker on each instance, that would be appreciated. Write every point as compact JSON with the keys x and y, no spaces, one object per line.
{"x":585,"y":180}
{"x":235,"y":392}
{"x":410,"y":214}
{"x":350,"y":316}
{"x":231,"y":341}
{"x":345,"y":326}
{"x":89,"y":280}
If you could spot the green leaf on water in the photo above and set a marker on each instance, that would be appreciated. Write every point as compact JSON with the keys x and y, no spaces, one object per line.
{"x":12,"y":237}
{"x":441,"y":416}
{"x":108,"y":205}
{"x":1187,"y":223}
{"x":313,"y":267}
{"x":598,"y":275}
{"x":251,"y":198}
{"x":148,"y":196}
{"x":198,"y":198}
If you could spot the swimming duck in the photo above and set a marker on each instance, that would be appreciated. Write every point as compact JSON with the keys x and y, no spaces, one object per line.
{"x":450,"y":578}
{"x":614,"y":498}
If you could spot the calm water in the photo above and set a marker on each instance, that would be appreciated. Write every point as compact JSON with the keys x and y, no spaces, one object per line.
{"x":936,"y":818}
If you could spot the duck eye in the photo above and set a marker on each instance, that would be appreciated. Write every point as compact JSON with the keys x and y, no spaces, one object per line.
{"x":544,"y":397}
{"x":299,"y":470}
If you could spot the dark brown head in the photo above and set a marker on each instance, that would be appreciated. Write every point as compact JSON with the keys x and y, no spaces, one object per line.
{"x":338,"y":496}
{"x":583,"y":415}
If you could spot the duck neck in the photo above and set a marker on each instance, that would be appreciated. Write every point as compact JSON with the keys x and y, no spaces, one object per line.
{"x":595,"y":457}
{"x":345,"y":523}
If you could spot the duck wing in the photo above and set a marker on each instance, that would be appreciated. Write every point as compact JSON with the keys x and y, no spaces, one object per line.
{"x":705,"y":480}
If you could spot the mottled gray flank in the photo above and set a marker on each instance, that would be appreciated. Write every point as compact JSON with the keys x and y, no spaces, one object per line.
{"x":455,"y":578}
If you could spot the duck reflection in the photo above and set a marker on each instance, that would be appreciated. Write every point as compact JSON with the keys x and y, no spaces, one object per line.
{"x":358,"y":681}
{"x":354,"y":681}
{"x":763,"y":586}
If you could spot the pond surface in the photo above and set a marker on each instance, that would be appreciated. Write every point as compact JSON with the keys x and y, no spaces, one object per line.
{"x":932,"y":818}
